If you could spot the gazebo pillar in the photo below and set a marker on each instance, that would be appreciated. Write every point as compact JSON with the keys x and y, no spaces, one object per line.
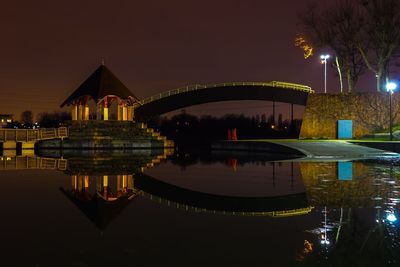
{"x":74,"y":181}
{"x":119,"y":112}
{"x":105,"y":180}
{"x":80,"y":184}
{"x":105,"y":187}
{"x":130,"y":113}
{"x":86,"y":113}
{"x":74,"y":112}
{"x":84,"y":109}
{"x":80,"y":112}
{"x":98,"y":111}
{"x":125,"y":113}
{"x":124,"y":181}
{"x":130,"y":181}
{"x":105,"y":113}
{"x":105,"y":109}
{"x":86,"y":182}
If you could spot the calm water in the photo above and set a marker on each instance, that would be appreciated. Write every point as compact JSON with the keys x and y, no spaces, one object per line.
{"x":188,"y":209}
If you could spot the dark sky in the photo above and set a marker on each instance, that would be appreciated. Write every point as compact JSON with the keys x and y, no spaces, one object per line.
{"x":49,"y":47}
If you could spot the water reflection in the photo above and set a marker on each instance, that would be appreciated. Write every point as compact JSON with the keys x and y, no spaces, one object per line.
{"x":356,"y":204}
{"x":349,"y":209}
{"x":101,"y":187}
{"x":358,"y":214}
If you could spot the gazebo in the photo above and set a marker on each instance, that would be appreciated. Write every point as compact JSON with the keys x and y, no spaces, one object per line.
{"x":104,"y":88}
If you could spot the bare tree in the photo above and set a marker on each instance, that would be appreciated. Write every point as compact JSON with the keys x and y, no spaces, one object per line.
{"x":337,"y":26}
{"x":382,"y":29}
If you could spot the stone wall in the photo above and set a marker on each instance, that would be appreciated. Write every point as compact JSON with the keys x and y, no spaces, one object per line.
{"x":368,"y":111}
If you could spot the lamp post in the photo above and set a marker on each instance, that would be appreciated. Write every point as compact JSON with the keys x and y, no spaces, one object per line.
{"x":324,"y":60}
{"x":390,"y":87}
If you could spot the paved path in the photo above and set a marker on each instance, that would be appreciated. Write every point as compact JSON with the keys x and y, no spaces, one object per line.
{"x":333,"y":149}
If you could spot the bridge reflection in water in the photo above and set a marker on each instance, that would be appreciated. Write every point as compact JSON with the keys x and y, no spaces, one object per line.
{"x":101,"y":191}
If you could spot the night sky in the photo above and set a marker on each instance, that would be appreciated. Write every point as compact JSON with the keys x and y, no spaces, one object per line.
{"x":49,"y":47}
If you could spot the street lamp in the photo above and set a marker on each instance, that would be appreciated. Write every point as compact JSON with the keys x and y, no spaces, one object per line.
{"x":324,"y":60}
{"x":390,"y":87}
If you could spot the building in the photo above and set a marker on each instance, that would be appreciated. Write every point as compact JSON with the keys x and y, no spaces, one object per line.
{"x":103,"y":89}
{"x":4,"y":119}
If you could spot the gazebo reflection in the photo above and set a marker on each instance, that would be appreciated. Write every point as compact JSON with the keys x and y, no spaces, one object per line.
{"x":103,"y":183}
{"x":101,"y":198}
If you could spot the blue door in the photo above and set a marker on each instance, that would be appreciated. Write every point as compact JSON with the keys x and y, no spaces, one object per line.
{"x":345,"y":129}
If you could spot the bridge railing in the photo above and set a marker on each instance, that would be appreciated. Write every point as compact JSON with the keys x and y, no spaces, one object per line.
{"x":32,"y":135}
{"x":285,"y":85}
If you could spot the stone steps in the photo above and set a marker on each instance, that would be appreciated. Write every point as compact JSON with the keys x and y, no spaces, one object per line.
{"x":113,"y":134}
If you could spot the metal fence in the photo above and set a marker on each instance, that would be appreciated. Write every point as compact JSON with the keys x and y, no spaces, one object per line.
{"x":32,"y":135}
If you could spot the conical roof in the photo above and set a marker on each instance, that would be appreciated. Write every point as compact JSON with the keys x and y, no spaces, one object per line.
{"x":101,"y":83}
{"x":98,"y":210}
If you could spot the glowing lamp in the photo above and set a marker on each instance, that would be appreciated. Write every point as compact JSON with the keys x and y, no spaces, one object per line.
{"x":325,"y":57}
{"x":391,"y":86}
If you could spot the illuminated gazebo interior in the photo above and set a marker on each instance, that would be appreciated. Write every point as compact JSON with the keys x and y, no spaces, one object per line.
{"x":105,"y":89}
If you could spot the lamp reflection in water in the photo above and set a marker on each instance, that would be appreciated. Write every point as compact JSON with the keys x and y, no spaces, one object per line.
{"x":391,"y":217}
{"x":324,"y":234}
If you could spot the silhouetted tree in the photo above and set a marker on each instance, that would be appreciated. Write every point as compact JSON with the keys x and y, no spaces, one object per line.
{"x":271,"y":121}
{"x":27,"y":117}
{"x":280,"y":121}
{"x":363,"y":34}
{"x":55,"y":119}
{"x":382,"y":29}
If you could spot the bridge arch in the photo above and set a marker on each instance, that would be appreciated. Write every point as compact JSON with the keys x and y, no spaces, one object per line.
{"x":200,"y":94}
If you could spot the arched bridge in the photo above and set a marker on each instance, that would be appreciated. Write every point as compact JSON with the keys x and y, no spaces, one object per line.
{"x":200,"y":94}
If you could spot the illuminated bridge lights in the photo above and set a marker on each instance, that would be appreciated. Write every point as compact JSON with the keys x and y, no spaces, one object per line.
{"x":277,"y":84}
{"x":273,"y":214}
